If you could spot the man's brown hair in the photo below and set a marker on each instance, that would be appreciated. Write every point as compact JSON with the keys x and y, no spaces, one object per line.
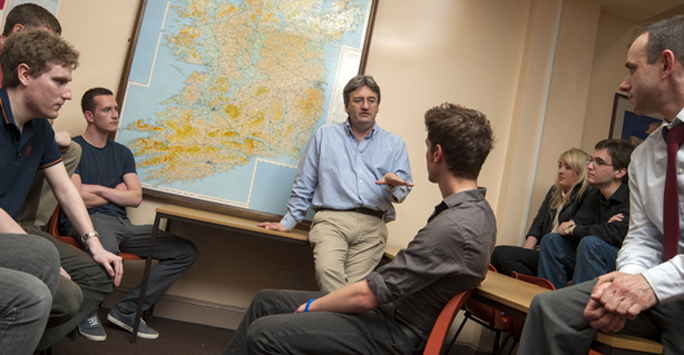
{"x":37,"y":49}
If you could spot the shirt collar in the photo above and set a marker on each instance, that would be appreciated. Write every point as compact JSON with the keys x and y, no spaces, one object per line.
{"x":679,"y":119}
{"x":459,"y":198}
{"x":620,"y":195}
{"x":5,"y":111}
{"x":347,"y":127}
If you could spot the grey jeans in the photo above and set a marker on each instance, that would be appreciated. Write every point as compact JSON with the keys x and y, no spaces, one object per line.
{"x":271,"y":327}
{"x":29,"y":273}
{"x":70,"y":302}
{"x":175,"y":254}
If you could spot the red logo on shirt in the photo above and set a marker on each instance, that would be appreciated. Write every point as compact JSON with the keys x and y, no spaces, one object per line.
{"x":28,"y":152}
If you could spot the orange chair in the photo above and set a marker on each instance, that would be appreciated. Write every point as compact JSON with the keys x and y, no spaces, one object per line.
{"x":443,"y":323}
{"x":485,"y":316}
{"x":515,"y":325}
{"x":534,"y":280}
{"x":54,"y":230}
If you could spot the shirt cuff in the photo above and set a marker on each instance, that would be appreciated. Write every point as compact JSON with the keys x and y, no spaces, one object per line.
{"x":288,"y":222}
{"x":377,"y":285}
{"x":666,"y":286}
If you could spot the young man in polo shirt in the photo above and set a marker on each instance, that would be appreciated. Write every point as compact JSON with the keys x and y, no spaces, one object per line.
{"x":37,"y":69}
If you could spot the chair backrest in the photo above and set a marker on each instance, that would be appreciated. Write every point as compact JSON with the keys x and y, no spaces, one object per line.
{"x":443,"y":323}
{"x":54,"y":230}
{"x":515,"y":325}
{"x":481,"y":311}
{"x":534,"y":280}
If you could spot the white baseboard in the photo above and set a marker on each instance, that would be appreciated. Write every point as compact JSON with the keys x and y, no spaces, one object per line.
{"x":188,"y":310}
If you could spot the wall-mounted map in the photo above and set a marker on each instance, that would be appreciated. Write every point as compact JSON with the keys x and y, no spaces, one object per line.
{"x":222,"y":95}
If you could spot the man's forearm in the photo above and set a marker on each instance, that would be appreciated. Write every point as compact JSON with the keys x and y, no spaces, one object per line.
{"x":92,"y":200}
{"x":355,"y":298}
{"x":8,"y":224}
{"x":123,"y":198}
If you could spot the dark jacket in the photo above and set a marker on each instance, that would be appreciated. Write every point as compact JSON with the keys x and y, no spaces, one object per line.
{"x":592,"y":217}
{"x":543,"y":222}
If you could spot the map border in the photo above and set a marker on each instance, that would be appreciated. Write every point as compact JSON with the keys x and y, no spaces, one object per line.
{"x":202,"y":204}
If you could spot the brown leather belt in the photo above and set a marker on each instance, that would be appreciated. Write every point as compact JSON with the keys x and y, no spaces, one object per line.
{"x":362,"y":210}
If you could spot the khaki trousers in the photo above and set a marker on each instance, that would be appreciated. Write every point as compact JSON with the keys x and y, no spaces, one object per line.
{"x":347,"y":246}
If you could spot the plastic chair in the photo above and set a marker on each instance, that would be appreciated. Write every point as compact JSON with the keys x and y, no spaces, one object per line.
{"x":54,"y":230}
{"x":485,"y":316}
{"x":534,"y":280}
{"x":443,"y":323}
{"x":515,"y":325}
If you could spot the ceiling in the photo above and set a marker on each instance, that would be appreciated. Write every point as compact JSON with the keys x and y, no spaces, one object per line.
{"x":639,"y":11}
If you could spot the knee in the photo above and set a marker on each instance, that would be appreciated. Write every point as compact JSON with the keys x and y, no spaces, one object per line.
{"x":92,"y":276}
{"x":587,"y":243}
{"x":258,"y":337}
{"x":497,"y":255}
{"x":70,"y":296}
{"x":33,"y":298}
{"x":327,"y":269}
{"x":550,"y":242}
{"x":263,"y":295}
{"x":192,"y":253}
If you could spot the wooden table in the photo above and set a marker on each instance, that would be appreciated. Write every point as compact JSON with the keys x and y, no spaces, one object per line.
{"x":507,"y":294}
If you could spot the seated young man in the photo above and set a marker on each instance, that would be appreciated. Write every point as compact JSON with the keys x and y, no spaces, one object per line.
{"x":108,"y":183}
{"x":586,"y":246}
{"x":36,"y":68}
{"x":393,"y":310}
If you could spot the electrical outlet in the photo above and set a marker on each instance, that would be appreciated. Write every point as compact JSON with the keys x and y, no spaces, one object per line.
{"x":292,"y":278}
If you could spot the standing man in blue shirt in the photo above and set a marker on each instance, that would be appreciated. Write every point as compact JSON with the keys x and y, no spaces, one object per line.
{"x":350,"y":174}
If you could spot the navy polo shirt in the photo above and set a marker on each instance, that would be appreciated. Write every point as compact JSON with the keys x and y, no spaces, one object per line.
{"x":21,"y":155}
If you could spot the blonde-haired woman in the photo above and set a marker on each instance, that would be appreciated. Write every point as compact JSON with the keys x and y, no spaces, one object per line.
{"x":561,"y":203}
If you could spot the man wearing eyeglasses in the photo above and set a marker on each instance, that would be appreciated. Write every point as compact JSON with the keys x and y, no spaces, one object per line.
{"x":586,"y":246}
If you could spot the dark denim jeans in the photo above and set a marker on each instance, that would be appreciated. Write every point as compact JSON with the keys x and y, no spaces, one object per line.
{"x":561,"y":258}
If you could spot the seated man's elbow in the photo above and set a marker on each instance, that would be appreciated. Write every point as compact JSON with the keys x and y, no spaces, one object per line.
{"x":367,"y":303}
{"x":137,"y":201}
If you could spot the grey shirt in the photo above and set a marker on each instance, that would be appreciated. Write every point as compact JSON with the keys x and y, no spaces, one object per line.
{"x":450,"y":254}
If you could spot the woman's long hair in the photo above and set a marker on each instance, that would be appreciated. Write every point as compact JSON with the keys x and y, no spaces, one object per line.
{"x":577,"y":160}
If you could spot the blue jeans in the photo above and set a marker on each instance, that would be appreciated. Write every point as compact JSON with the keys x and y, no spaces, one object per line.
{"x":29,"y":273}
{"x":559,"y":258}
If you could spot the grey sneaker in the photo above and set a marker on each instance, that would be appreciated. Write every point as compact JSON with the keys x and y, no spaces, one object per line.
{"x":126,"y":321}
{"x":91,"y":328}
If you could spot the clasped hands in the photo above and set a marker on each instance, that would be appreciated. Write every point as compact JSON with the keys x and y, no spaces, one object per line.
{"x":616,"y":298}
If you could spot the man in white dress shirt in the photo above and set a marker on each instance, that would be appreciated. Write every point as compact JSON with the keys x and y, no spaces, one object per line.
{"x":645,"y":296}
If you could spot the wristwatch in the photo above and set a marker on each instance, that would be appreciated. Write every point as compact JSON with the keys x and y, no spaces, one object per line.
{"x":88,"y":235}
{"x":568,"y":229}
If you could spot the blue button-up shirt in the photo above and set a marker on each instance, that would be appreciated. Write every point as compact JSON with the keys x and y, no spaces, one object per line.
{"x":338,"y":172}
